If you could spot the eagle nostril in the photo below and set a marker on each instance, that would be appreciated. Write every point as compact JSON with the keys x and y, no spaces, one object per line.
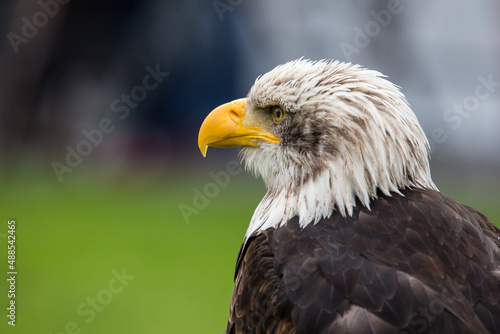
{"x":235,"y":116}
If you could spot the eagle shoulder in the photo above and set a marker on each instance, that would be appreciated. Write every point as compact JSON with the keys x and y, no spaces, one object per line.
{"x":259,"y":303}
{"x":412,"y":263}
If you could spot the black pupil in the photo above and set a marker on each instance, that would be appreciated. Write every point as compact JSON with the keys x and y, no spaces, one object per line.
{"x":277,"y":113}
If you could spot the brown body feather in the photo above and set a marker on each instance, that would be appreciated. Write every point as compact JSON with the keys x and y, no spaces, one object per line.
{"x":418,"y":263}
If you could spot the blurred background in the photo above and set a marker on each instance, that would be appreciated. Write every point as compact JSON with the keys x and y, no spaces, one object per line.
{"x":122,"y":226}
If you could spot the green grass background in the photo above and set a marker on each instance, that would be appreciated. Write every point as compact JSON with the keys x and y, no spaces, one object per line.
{"x":71,"y":235}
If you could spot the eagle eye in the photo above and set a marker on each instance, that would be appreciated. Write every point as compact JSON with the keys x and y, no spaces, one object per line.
{"x":278,"y":114}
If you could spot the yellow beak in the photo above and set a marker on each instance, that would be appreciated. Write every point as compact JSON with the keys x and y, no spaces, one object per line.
{"x":224,"y":127}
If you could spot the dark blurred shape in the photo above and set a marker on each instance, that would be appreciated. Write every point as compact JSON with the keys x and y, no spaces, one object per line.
{"x":63,"y":76}
{"x":77,"y":40}
{"x":67,"y":65}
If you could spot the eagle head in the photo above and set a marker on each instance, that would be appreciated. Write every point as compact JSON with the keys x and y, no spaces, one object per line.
{"x":323,"y":135}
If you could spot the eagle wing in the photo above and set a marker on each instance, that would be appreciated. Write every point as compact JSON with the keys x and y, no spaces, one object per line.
{"x":418,"y":262}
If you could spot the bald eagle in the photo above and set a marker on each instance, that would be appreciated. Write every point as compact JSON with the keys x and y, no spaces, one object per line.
{"x":352,"y":235}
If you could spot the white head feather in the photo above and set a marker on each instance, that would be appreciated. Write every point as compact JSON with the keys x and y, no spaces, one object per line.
{"x":350,"y":134}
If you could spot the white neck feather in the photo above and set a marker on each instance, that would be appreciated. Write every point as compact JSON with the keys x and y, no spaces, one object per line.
{"x":317,"y":199}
